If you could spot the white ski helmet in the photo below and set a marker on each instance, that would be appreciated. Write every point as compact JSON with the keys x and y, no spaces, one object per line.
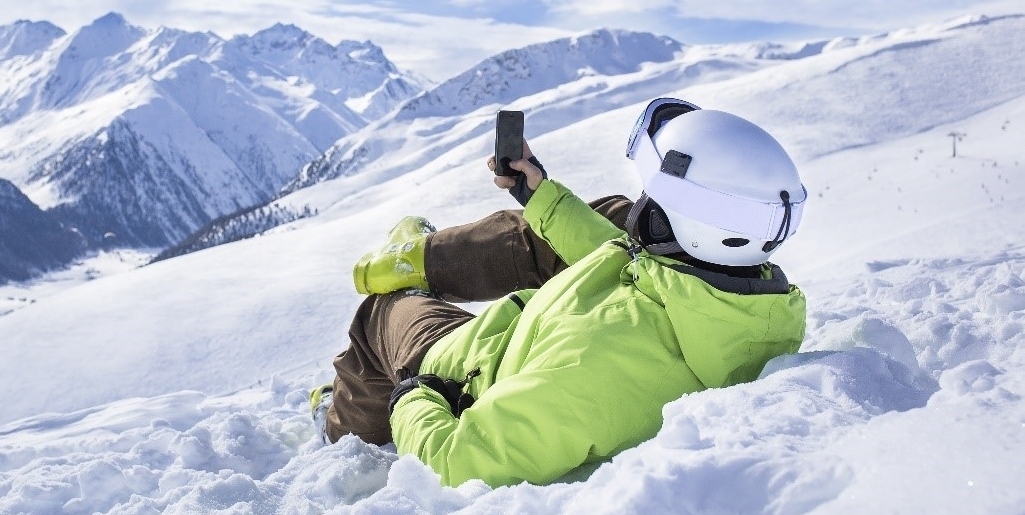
{"x":727,"y":190}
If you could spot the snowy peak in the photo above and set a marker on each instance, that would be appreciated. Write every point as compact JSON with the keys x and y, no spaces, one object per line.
{"x":613,"y":52}
{"x":283,"y":43}
{"x":283,"y":35}
{"x":87,"y":59}
{"x":517,"y":73}
{"x":107,"y":36}
{"x":356,"y":75}
{"x":366,"y":52}
{"x":25,"y":37}
{"x":289,"y":46}
{"x":166,"y":45}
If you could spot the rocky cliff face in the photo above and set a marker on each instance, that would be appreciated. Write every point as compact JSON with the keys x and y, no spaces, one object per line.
{"x":31,"y":241}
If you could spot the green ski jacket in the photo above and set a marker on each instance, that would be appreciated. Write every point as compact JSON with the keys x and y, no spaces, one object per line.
{"x":580,"y":369}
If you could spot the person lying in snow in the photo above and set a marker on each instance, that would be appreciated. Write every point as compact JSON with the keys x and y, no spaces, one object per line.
{"x":608,"y":310}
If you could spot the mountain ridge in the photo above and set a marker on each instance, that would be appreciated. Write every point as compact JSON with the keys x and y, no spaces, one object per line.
{"x":381,"y":151}
{"x":589,"y":64}
{"x":254,"y":109}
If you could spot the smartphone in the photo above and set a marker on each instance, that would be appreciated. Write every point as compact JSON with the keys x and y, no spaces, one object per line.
{"x":508,"y":141}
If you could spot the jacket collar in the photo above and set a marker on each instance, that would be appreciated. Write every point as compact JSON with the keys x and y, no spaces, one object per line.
{"x":772,"y":282}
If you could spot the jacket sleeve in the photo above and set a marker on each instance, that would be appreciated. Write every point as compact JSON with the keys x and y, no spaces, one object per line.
{"x":567,"y":223}
{"x":554,"y":414}
{"x":494,"y":440}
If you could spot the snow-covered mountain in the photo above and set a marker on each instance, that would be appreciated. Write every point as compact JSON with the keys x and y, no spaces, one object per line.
{"x":24,"y":38}
{"x":543,"y":66}
{"x":145,"y":135}
{"x":357,"y":74}
{"x":914,"y":71}
{"x":180,"y":387}
{"x":556,"y":82}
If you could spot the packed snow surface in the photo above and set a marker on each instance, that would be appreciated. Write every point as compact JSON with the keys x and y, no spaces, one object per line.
{"x":181,"y":387}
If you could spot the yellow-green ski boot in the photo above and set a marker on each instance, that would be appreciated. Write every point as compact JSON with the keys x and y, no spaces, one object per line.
{"x":320,"y":402}
{"x":399,"y":265}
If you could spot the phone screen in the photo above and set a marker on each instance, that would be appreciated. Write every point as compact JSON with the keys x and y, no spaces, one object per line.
{"x":508,"y":141}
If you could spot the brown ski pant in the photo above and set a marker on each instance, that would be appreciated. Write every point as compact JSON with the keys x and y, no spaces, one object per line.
{"x":390,"y":334}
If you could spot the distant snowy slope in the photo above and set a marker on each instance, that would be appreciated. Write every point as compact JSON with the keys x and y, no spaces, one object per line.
{"x":145,"y":135}
{"x":873,"y":89}
{"x":878,"y":204}
{"x":555,"y":83}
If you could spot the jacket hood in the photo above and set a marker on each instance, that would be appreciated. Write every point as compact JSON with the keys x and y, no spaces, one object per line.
{"x":726,"y":327}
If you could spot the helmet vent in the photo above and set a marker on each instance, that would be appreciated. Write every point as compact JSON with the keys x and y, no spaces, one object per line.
{"x":735,"y":242}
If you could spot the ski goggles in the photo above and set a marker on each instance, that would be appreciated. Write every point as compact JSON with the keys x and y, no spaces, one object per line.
{"x":658,"y":112}
{"x":764,"y":221}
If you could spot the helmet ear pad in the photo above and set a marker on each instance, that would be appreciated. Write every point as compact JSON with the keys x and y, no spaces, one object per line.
{"x":647,"y":223}
{"x":655,"y":223}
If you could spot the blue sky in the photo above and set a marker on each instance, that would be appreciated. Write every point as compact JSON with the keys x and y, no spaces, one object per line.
{"x":439,"y":38}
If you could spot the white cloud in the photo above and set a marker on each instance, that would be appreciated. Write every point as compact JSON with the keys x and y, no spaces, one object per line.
{"x":882,"y":14}
{"x":608,"y":7}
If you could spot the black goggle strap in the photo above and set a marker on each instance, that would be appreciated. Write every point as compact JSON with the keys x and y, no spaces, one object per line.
{"x":633,"y":217}
{"x":664,"y":113}
{"x":656,"y":114}
{"x":784,"y":228}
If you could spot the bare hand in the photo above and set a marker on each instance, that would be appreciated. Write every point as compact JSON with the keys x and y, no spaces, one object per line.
{"x":532,"y":172}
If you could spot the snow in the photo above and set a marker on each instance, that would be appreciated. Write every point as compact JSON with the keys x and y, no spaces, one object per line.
{"x":181,"y":387}
{"x":16,"y":295}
